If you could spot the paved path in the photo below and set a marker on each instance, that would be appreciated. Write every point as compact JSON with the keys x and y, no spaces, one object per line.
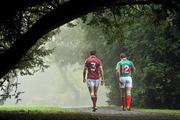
{"x":117,"y":114}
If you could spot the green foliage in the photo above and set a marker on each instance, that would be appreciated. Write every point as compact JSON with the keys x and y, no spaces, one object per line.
{"x":148,"y":34}
{"x":33,"y":60}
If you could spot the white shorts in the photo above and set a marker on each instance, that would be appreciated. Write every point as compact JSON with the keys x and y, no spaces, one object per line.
{"x":92,"y":82}
{"x":125,"y":82}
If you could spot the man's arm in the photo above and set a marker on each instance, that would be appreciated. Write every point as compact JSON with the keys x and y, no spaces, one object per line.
{"x":118,"y":67}
{"x":133,"y":68}
{"x":101,"y":75}
{"x":84,"y":74}
{"x":117,"y":76}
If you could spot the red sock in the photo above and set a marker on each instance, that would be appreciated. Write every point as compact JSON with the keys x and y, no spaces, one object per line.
{"x":122,"y":101}
{"x":125,"y":102}
{"x":128,"y":101}
{"x":94,"y":99}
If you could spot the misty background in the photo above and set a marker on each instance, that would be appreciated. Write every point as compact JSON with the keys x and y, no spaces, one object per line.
{"x":61,"y":84}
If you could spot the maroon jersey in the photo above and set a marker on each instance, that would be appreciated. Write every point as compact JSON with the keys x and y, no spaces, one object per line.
{"x":92,"y":63}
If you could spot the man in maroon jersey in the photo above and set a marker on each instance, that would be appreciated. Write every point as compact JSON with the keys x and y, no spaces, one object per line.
{"x":93,"y":74}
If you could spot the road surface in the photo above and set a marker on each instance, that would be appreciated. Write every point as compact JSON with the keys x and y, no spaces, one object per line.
{"x":116,"y":113}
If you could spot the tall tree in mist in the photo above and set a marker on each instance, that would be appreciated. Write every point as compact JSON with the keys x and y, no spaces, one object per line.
{"x":67,"y":55}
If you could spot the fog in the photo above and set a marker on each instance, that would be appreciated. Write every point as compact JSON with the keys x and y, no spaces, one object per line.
{"x":57,"y":86}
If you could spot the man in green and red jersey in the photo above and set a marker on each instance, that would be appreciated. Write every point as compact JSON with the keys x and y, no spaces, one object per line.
{"x":93,"y":74}
{"x":124,"y":70}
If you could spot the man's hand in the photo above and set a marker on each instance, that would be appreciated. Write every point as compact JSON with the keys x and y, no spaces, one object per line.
{"x":102,"y":82}
{"x":84,"y":74}
{"x":117,"y":76}
{"x":120,"y":82}
{"x":84,"y":80}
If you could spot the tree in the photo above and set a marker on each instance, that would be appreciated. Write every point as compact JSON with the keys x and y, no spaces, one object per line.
{"x":126,"y":29}
{"x":33,"y":61}
{"x":67,"y":46}
{"x":59,"y":15}
{"x":55,"y":18}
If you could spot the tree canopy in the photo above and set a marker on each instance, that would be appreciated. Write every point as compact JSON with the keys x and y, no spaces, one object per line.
{"x":26,"y":21}
{"x":149,"y":36}
{"x":59,"y":15}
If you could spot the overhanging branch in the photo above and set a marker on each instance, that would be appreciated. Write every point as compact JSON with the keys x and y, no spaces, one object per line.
{"x":65,"y":13}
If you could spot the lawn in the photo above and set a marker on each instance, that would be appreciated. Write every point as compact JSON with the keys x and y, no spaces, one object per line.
{"x":57,"y":113}
{"x":34,"y":109}
{"x":166,"y":111}
{"x":40,"y":113}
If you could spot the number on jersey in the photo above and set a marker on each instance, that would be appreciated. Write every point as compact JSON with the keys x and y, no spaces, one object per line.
{"x":93,"y":66}
{"x":126,"y":69}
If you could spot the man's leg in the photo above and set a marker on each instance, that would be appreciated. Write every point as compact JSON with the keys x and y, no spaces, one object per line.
{"x":123,"y":98}
{"x":95,"y":96}
{"x":90,"y":85}
{"x":123,"y":92}
{"x":91,"y":91}
{"x":128,"y":98}
{"x":128,"y":92}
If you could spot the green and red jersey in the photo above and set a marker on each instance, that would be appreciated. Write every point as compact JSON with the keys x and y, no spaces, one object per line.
{"x":125,"y":67}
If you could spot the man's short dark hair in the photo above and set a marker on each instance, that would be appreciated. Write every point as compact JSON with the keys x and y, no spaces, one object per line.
{"x":93,"y":52}
{"x":122,"y":55}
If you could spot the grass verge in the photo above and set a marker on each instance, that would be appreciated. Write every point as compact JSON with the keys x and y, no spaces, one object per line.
{"x":57,"y":113}
{"x":166,"y":111}
{"x":41,"y":113}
